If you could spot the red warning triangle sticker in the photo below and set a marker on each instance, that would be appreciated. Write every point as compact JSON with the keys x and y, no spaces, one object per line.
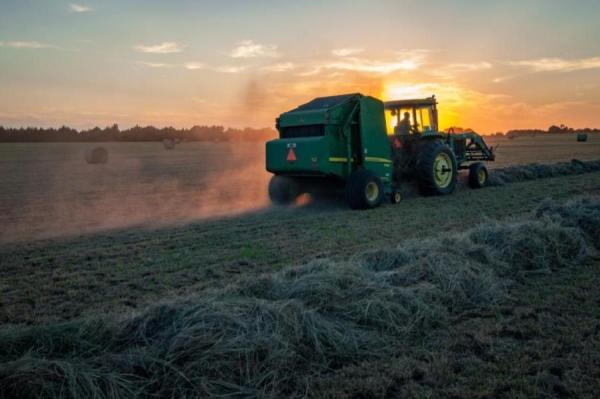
{"x":291,"y":156}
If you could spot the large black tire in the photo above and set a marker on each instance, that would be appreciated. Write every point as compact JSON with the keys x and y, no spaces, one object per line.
{"x":478,"y":175}
{"x":283,"y":190}
{"x":364,"y":190}
{"x":436,"y":169}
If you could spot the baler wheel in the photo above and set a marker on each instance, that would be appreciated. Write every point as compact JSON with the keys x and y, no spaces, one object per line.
{"x":436,"y":169}
{"x":283,"y":190}
{"x":364,"y":190}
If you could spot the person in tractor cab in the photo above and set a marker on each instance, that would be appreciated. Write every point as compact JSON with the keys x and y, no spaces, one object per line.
{"x":404,"y":126}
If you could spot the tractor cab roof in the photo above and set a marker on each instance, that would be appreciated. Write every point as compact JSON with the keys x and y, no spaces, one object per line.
{"x":325,"y":103}
{"x":414,"y":103}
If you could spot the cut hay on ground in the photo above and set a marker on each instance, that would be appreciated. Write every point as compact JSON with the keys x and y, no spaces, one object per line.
{"x":275,"y":335}
{"x":512,"y":174}
{"x":96,"y":155}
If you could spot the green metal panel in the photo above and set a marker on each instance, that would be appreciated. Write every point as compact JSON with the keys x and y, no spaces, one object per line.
{"x":311,"y":156}
{"x":302,"y":118}
{"x":376,"y":150}
{"x":322,"y":155}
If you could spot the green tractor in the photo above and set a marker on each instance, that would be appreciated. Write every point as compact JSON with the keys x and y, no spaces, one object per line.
{"x":343,"y":142}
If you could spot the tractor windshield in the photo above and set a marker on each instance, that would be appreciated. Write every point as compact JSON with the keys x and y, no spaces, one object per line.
{"x":407,"y":120}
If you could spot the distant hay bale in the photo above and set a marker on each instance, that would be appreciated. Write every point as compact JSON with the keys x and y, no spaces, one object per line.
{"x":582,"y":137}
{"x":169,"y":144}
{"x":96,"y":155}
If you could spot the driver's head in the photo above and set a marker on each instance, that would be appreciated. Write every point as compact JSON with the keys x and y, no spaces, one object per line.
{"x":406,"y":115}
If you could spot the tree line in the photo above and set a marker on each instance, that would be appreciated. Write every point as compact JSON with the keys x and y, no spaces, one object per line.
{"x":554,"y":129}
{"x":136,"y":133}
{"x":197,"y":133}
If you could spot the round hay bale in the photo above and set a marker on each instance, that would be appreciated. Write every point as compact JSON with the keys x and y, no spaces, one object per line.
{"x":581,"y":137}
{"x":169,"y":144}
{"x":96,"y":155}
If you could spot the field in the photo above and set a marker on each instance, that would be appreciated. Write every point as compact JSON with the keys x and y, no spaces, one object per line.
{"x":48,"y":190}
{"x":99,"y":262}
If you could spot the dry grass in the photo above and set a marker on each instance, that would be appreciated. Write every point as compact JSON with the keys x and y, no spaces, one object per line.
{"x":511,"y":174}
{"x":50,"y":193}
{"x":275,"y":335}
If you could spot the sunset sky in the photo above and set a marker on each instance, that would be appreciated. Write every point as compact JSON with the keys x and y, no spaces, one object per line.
{"x":494,"y":65}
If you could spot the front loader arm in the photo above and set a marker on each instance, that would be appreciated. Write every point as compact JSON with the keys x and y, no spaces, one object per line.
{"x":477,"y":149}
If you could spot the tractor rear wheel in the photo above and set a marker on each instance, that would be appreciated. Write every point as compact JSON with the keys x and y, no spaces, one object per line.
{"x":283,"y":190}
{"x":478,"y":175}
{"x":364,"y":190}
{"x":436,"y":169}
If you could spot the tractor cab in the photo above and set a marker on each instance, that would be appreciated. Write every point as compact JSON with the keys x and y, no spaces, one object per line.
{"x":411,"y":117}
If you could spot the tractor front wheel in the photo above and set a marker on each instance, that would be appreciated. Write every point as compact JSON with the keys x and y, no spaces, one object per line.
{"x":436,"y":169}
{"x":364,"y":190}
{"x":478,"y":175}
{"x":283,"y":190}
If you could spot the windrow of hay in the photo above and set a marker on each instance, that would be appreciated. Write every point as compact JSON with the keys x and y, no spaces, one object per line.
{"x":534,"y":171}
{"x":96,"y":155}
{"x":274,"y":335}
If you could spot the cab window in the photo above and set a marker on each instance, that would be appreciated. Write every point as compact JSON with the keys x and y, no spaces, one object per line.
{"x":393,"y":118}
{"x":424,"y":119}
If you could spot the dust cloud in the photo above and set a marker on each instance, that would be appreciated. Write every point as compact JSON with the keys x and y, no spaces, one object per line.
{"x":49,"y":191}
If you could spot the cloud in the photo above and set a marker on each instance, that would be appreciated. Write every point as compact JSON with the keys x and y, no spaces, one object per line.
{"x":281,"y":67}
{"x":79,"y":8}
{"x":470,"y":67}
{"x":195,"y":66}
{"x":373,"y":66}
{"x":162,"y":48}
{"x":406,"y":60}
{"x":230,"y":69}
{"x":345,"y":52}
{"x":249,"y":49}
{"x":192,"y":66}
{"x":558,"y":64}
{"x":26,"y":45}
{"x":155,"y":64}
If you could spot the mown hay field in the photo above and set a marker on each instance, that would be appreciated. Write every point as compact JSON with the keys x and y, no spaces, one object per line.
{"x":48,"y":189}
{"x":485,"y":293}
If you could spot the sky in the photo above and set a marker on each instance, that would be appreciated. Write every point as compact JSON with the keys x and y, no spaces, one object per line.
{"x":493,"y":65}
